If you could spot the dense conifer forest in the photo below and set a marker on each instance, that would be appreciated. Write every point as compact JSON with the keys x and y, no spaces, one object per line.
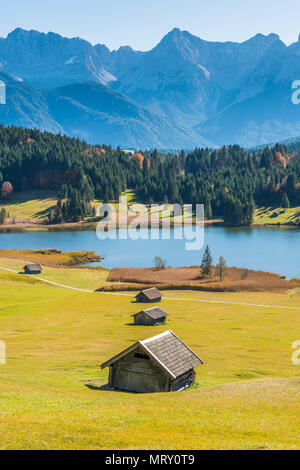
{"x":230,"y":181}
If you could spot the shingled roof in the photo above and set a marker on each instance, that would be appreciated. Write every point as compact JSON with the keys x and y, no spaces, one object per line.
{"x":168,"y":351}
{"x":154,"y":313}
{"x":152,"y":293}
{"x":33,"y":267}
{"x":172,"y":353}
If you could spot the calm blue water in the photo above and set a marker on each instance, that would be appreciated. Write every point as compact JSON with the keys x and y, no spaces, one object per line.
{"x":269,"y":249}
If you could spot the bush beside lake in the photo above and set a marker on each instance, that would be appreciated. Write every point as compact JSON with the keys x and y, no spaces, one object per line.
{"x":186,"y":278}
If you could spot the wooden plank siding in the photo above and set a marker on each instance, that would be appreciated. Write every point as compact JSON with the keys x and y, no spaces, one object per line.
{"x":162,"y":363}
{"x":142,"y":319}
{"x":136,"y":372}
{"x":142,"y":298}
{"x":151,"y":295}
{"x":184,"y":381}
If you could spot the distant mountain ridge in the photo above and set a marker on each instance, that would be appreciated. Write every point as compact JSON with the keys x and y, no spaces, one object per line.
{"x":92,"y":112}
{"x":186,"y":91}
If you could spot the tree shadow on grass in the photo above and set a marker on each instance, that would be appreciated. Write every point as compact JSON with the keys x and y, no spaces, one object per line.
{"x":43,"y":213}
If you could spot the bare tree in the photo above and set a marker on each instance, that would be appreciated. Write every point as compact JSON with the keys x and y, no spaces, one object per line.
{"x":160,"y":264}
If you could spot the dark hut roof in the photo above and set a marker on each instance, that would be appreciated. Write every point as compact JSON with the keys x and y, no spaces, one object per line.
{"x":172,"y":353}
{"x":152,"y":293}
{"x":33,"y":267}
{"x":168,"y":351}
{"x":154,"y":313}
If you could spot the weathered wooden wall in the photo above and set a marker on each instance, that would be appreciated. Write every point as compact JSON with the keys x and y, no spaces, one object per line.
{"x":138,"y":374}
{"x":143,"y":299}
{"x":184,"y":381}
{"x":142,"y":319}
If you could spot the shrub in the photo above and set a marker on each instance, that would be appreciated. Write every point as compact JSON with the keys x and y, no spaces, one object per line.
{"x":160,"y":264}
{"x":7,"y":190}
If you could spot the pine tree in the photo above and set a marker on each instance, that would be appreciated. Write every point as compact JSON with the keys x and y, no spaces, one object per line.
{"x":208,"y":210}
{"x":172,"y":191}
{"x":2,"y":216}
{"x":206,"y":264}
{"x":291,"y":186}
{"x":285,"y":203}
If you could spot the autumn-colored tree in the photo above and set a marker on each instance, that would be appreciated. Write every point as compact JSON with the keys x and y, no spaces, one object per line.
{"x":139,"y":157}
{"x":280,"y":158}
{"x":7,"y":190}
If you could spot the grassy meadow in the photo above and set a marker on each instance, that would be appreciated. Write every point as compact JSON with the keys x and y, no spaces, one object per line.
{"x":52,"y":257}
{"x":29,"y":210}
{"x":30,"y":204}
{"x":80,"y":277}
{"x":277,"y":216}
{"x":53,"y":393}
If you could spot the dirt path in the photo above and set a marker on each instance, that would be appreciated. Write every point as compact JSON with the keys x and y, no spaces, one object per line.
{"x":166,"y":298}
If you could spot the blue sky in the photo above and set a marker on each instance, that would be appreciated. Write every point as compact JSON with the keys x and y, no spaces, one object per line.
{"x":142,"y":23}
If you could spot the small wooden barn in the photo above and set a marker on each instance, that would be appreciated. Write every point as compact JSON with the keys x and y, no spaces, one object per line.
{"x":149,"y":296}
{"x":151,"y":316}
{"x":33,"y":269}
{"x":159,"y":364}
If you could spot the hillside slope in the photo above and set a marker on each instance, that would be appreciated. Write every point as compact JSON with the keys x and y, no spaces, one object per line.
{"x":93,"y":112}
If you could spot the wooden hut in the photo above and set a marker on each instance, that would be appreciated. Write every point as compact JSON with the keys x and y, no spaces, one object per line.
{"x":159,"y":364}
{"x":33,"y":269}
{"x":149,"y":296}
{"x":151,"y":316}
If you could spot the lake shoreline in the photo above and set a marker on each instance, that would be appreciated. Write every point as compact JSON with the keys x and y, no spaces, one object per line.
{"x":91,"y":226}
{"x":259,"y":248}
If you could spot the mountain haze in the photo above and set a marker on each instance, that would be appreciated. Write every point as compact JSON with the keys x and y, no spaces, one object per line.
{"x":185,"y":92}
{"x":92,"y":112}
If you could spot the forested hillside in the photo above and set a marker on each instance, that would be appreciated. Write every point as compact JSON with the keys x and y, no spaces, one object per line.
{"x":229,"y":181}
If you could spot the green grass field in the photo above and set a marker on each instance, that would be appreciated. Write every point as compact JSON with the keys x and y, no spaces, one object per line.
{"x":277,"y":216}
{"x":80,"y":278}
{"x":30,"y":204}
{"x":246,"y":396}
{"x":34,"y":205}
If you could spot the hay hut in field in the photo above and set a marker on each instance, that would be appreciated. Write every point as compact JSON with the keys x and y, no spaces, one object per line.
{"x":32,"y":269}
{"x":149,"y":296}
{"x":159,"y":364}
{"x":151,"y":316}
